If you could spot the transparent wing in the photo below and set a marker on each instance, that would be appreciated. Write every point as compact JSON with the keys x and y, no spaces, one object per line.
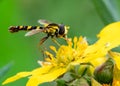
{"x":32,"y":32}
{"x":44,"y":22}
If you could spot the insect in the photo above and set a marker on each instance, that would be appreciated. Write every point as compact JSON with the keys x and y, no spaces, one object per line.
{"x":51,"y":29}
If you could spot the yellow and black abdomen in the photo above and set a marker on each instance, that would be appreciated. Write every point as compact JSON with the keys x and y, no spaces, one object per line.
{"x":13,"y":29}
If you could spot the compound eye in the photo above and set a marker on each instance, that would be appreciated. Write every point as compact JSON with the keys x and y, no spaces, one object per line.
{"x":61,"y":29}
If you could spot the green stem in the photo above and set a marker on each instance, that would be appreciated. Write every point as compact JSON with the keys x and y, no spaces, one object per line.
{"x":105,"y":10}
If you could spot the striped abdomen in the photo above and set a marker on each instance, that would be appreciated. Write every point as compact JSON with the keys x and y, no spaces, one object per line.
{"x":13,"y":29}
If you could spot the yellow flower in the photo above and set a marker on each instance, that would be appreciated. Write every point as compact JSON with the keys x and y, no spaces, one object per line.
{"x":74,"y":53}
{"x":54,"y":66}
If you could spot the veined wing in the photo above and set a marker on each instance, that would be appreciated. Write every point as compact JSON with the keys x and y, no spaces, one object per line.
{"x":44,"y":22}
{"x":32,"y":32}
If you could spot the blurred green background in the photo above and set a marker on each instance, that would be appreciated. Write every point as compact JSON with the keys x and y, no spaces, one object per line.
{"x":23,"y":52}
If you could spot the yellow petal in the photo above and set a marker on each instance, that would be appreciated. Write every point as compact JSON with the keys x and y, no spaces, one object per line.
{"x":116,"y":57}
{"x":98,"y":61}
{"x":16,"y":77}
{"x":110,"y":35}
{"x":109,"y":38}
{"x":41,"y":70}
{"x":48,"y":77}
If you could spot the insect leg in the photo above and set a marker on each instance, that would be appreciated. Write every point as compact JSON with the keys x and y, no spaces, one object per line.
{"x":43,"y":40}
{"x":66,"y":38}
{"x":42,"y":49}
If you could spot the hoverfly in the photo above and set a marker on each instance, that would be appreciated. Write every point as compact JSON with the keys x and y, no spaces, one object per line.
{"x":51,"y":29}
